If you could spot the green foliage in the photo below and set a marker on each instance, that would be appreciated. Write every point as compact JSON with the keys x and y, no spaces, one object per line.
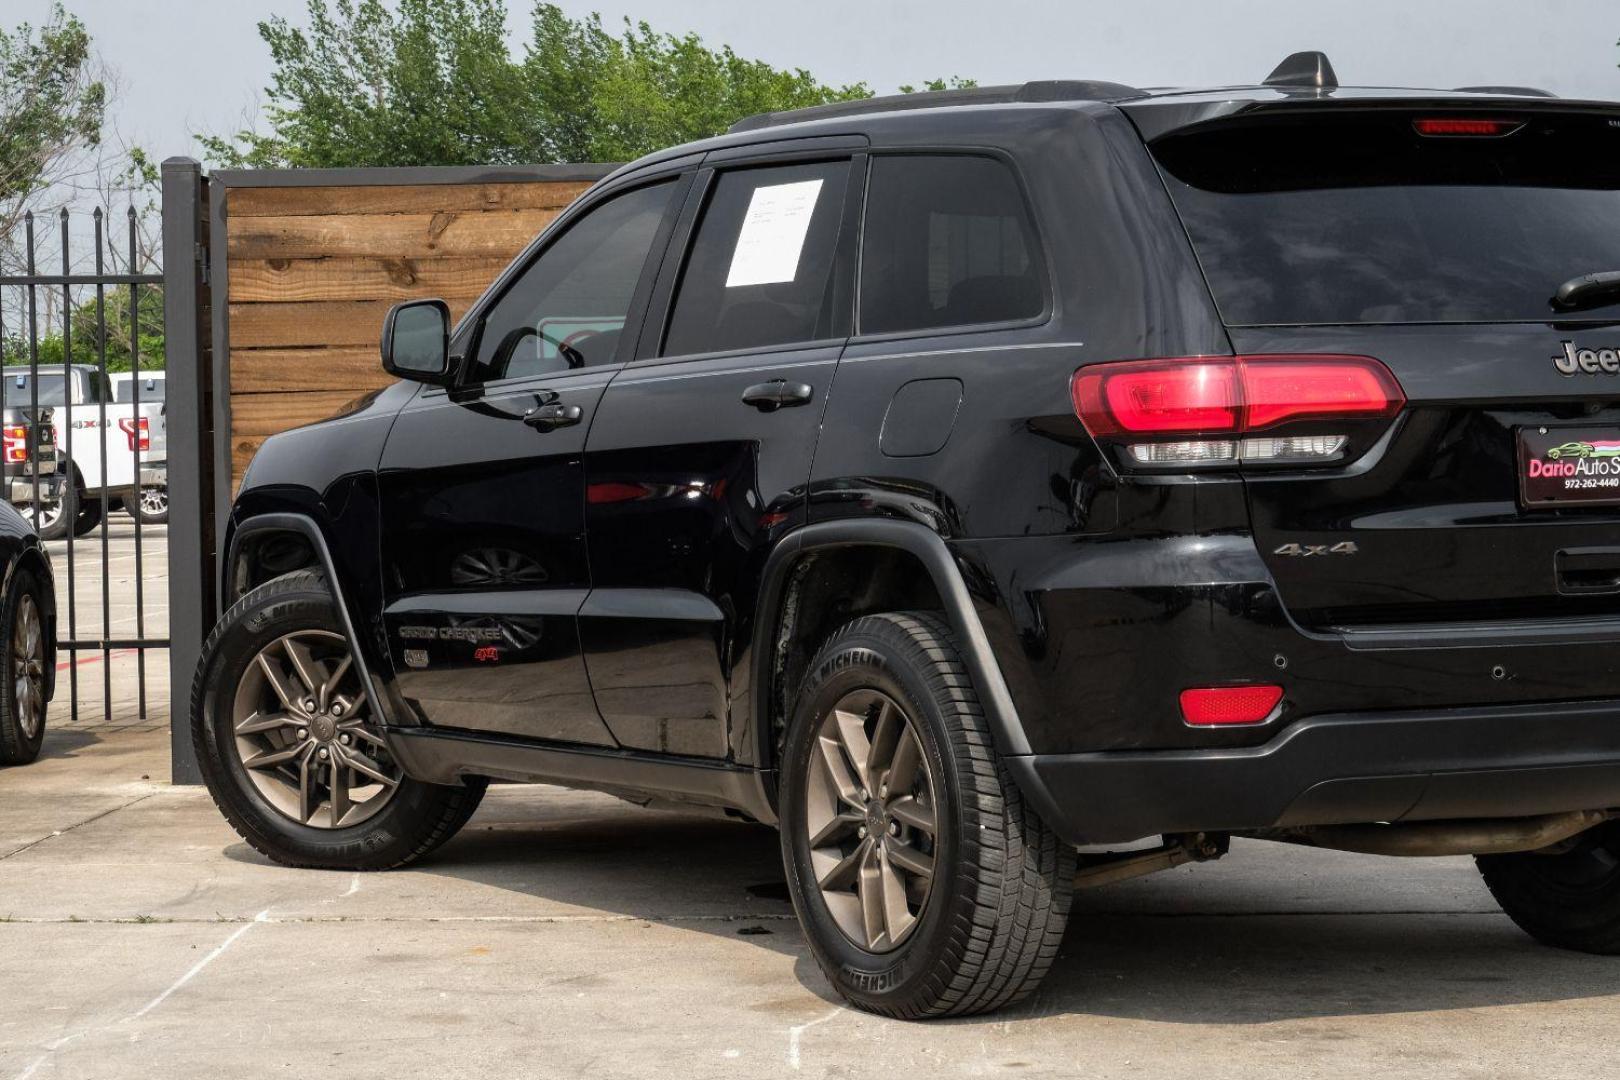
{"x":432,"y":82}
{"x":51,"y":105}
{"x":86,"y":337}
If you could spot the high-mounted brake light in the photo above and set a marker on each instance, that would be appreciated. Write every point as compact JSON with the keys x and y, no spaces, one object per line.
{"x":1469,"y":126}
{"x":1239,"y":401}
{"x":1215,"y":706}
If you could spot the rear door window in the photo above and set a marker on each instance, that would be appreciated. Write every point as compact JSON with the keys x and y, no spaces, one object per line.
{"x":761,"y":268}
{"x":948,"y":242}
{"x":1359,"y":218}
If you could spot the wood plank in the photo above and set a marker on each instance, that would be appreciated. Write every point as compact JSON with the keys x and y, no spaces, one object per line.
{"x":243,"y":447}
{"x":314,"y":323}
{"x":265,"y":371}
{"x":401,"y":198}
{"x":493,"y":233}
{"x":371,"y":278}
{"x":266,"y":414}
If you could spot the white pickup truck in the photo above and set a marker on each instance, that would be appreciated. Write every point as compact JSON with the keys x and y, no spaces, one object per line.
{"x":106,"y":443}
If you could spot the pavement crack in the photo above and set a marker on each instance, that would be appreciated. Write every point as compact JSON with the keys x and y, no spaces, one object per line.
{"x":76,"y":825}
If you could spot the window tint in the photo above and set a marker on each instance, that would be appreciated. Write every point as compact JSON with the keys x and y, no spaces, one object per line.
{"x":569,"y":307}
{"x":1358,"y":218}
{"x":761,"y":267}
{"x":50,"y":389}
{"x":948,"y":242}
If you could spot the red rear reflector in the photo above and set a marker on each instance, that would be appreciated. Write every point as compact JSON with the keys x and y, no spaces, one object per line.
{"x":1209,"y":706}
{"x":1237,"y":394}
{"x":1460,"y":126}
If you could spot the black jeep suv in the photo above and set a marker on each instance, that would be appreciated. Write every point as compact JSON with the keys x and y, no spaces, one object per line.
{"x":999,"y":490}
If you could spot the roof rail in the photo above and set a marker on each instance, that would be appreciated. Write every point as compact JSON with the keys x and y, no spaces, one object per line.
{"x":1049,"y":90}
{"x":1310,"y":70}
{"x":1509,"y":91}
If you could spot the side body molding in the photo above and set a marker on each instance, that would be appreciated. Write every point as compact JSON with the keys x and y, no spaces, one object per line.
{"x":928,"y":548}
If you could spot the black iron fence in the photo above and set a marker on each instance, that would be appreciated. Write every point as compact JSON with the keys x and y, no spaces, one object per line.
{"x":84,"y":441}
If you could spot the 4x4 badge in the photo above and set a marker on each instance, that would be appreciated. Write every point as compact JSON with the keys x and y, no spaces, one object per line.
{"x":1573,"y":361}
{"x":1343,"y":547}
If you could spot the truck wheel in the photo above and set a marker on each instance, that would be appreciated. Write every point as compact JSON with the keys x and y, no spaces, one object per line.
{"x":89,"y":515}
{"x":925,"y":885}
{"x":22,"y":658}
{"x":290,"y":747}
{"x":52,"y":520}
{"x":1569,"y":900}
{"x":152,"y":508}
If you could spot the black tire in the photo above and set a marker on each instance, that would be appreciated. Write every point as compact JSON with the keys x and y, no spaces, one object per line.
{"x":57,"y":527}
{"x":1570,"y":900}
{"x":88,"y":516}
{"x":417,"y":819}
{"x":1002,"y":882}
{"x":18,"y":745}
{"x":145,"y":506}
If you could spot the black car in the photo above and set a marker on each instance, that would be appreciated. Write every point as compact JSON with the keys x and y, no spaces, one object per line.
{"x":27,"y":592}
{"x":1000,"y":490}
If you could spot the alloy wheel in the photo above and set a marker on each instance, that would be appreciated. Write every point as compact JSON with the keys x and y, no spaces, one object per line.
{"x":306,"y":735}
{"x":155,"y":500}
{"x":28,"y":666}
{"x":871,"y":816}
{"x":44,"y":517}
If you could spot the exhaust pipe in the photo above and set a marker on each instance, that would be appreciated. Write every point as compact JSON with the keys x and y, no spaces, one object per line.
{"x":1486,"y":836}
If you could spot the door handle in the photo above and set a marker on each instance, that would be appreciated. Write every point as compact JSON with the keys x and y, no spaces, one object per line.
{"x":551,"y":417}
{"x":777,"y":394}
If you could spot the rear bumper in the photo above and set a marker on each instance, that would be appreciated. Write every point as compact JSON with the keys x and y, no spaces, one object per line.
{"x":1499,"y":761}
{"x":20,"y":489}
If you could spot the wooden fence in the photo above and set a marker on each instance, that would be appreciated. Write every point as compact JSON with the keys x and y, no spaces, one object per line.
{"x":306,"y":262}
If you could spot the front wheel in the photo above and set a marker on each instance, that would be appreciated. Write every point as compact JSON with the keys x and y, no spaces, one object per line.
{"x":925,"y":885}
{"x":290,"y":747}
{"x":1568,"y":897}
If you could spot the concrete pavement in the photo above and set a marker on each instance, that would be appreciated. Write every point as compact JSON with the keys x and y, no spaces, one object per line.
{"x":569,"y":934}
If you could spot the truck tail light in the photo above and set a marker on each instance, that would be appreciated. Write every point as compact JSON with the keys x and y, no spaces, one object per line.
{"x":1214,"y":706}
{"x":138,"y":432}
{"x":16,"y":443}
{"x":1207,"y":411}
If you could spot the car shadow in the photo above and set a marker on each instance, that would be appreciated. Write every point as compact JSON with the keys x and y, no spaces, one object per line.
{"x":1135,"y":952}
{"x":65,"y":742}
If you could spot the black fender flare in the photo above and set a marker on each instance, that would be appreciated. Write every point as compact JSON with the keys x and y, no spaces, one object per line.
{"x":930,"y":550}
{"x":280,"y":521}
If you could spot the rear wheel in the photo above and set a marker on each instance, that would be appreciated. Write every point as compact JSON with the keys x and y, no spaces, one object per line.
{"x":925,"y":886}
{"x":152,"y":508}
{"x":22,"y":657}
{"x":290,"y":746}
{"x":1568,"y":897}
{"x":53,"y":519}
{"x":89,"y":515}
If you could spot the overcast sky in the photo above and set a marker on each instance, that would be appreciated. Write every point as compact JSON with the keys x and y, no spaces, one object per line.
{"x":198,"y":65}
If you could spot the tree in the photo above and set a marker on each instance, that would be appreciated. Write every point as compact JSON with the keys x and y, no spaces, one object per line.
{"x":432,"y":82}
{"x":52,"y":105}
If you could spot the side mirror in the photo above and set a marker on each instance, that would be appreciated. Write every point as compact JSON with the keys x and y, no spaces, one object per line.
{"x":416,"y":341}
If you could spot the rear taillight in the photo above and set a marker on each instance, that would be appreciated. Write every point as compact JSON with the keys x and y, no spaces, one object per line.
{"x":16,"y":443}
{"x":1470,"y":126}
{"x":138,"y":431}
{"x":1216,"y":706}
{"x":1204,"y":412}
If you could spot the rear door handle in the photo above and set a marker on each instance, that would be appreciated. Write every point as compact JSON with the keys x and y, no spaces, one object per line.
{"x":551,"y":417}
{"x":777,"y":394}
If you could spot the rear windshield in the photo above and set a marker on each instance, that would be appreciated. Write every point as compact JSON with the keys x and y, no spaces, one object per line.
{"x":1359,"y":219}
{"x":151,"y":390}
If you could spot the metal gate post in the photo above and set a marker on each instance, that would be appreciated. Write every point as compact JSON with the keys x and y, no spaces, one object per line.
{"x":192,"y":471}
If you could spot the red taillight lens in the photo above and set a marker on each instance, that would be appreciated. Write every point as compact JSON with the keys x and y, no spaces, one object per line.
{"x":1213,"y":706}
{"x":1455,"y":125}
{"x":137,"y":430}
{"x":16,"y":443}
{"x":1159,"y":396}
{"x":1154,"y":407}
